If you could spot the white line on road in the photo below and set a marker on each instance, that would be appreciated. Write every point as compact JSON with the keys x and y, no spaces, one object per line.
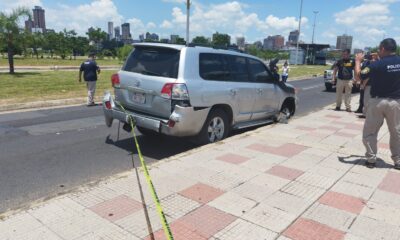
{"x":312,"y":87}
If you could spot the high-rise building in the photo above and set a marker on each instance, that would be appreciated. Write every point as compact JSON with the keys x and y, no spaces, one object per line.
{"x":110,"y":30}
{"x":174,"y":38}
{"x":344,"y":42}
{"x":117,"y":31}
{"x":141,"y":37}
{"x":274,"y":42}
{"x":240,"y":42}
{"x":126,"y":31}
{"x":29,"y":25}
{"x":39,"y":21}
{"x":293,"y":37}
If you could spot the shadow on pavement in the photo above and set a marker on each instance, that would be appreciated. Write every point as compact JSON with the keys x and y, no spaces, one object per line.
{"x":360,"y":160}
{"x":153,"y":147}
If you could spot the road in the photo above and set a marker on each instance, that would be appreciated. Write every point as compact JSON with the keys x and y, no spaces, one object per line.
{"x":44,"y":153}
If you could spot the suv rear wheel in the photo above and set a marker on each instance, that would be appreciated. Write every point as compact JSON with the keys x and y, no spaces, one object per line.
{"x":215,"y":128}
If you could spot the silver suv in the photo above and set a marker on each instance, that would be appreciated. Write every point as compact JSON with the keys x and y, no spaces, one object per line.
{"x":196,"y":91}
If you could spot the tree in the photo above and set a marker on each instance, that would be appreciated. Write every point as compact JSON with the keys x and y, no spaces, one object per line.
{"x":201,"y":40}
{"x":96,"y":36}
{"x":35,"y":41}
{"x":220,"y":39}
{"x":124,"y":51}
{"x":10,"y":32}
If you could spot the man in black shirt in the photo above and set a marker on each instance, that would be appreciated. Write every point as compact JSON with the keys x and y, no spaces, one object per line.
{"x":90,"y":71}
{"x":384,"y":76}
{"x":344,"y":70}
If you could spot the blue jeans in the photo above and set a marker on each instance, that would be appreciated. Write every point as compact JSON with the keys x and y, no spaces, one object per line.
{"x":284,"y":78}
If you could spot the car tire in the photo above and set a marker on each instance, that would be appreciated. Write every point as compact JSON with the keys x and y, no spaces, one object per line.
{"x":148,"y":133}
{"x":215,"y":128}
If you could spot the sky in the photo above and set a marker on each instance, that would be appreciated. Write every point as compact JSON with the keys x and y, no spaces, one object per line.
{"x":368,"y":21}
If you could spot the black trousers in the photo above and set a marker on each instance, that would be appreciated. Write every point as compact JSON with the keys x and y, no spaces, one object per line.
{"x":361,"y":103}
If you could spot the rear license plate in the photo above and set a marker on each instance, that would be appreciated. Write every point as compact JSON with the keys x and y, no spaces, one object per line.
{"x":139,"y":98}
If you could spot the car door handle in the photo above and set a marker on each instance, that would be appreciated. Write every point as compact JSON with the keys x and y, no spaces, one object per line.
{"x":233,"y":92}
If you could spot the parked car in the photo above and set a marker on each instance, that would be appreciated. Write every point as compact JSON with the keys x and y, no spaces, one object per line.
{"x":196,"y":91}
{"x":330,"y":85}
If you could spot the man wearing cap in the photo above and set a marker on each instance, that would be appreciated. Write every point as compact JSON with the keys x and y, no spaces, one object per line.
{"x":344,"y":70}
{"x":384,"y":76}
{"x":90,"y":71}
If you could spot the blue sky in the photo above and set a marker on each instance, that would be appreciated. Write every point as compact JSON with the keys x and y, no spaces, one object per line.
{"x":368,"y":21}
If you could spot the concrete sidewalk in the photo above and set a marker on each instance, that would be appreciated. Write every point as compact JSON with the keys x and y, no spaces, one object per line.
{"x":302,"y":180}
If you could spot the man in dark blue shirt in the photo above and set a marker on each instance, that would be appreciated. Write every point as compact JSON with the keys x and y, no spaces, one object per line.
{"x":384,"y":76}
{"x":90,"y":70}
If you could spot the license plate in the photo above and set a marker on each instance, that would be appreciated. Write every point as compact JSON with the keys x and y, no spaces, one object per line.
{"x":139,"y":98}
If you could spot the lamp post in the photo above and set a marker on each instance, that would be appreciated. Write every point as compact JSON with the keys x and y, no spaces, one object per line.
{"x":187,"y":21}
{"x":298,"y":38}
{"x":313,"y":31}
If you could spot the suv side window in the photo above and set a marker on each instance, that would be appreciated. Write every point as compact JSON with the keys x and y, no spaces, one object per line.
{"x":238,"y":68}
{"x":213,"y":67}
{"x":259,"y":72}
{"x":154,"y":61}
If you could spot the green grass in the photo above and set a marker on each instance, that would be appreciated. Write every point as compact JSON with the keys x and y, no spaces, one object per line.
{"x":305,"y":70}
{"x":56,"y":62}
{"x":36,"y":86}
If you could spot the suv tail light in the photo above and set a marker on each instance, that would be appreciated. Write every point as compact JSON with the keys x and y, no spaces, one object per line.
{"x":175,"y":91}
{"x":115,"y":80}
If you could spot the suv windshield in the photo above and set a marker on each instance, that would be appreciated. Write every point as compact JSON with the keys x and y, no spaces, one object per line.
{"x":154,"y":61}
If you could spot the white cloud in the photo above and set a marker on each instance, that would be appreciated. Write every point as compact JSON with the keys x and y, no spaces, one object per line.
{"x":96,"y":14}
{"x":8,"y":5}
{"x":229,"y":17}
{"x":151,"y":25}
{"x":166,"y":24}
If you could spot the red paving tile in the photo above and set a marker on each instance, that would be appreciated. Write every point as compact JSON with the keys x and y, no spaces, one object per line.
{"x":391,"y":183}
{"x":117,"y":208}
{"x":332,"y":116}
{"x":305,"y":229}
{"x":329,"y":128}
{"x":384,"y":145}
{"x":232,"y":158}
{"x":354,"y":126}
{"x":286,"y":150}
{"x":305,"y":128}
{"x":206,"y":221}
{"x":285,"y":172}
{"x":343,"y":201}
{"x":201,"y":193}
{"x":342,"y":134}
{"x":179,"y":232}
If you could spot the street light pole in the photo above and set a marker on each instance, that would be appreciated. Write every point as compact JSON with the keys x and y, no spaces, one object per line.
{"x":313,"y":31}
{"x":298,"y":38}
{"x":187,"y":21}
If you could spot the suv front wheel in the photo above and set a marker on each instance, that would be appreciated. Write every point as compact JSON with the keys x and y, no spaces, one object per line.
{"x":215,"y":128}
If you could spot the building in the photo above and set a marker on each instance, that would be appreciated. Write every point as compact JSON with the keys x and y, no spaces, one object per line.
{"x":39,"y":21}
{"x":240,"y":42}
{"x":117,"y":32}
{"x":293,"y":37}
{"x":29,"y":25}
{"x":126,"y":32}
{"x":141,"y":37}
{"x":110,"y":30}
{"x":274,"y":42}
{"x":174,"y":39}
{"x":344,"y":42}
{"x":152,"y":37}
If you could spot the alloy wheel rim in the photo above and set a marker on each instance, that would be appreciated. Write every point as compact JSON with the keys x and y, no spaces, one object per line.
{"x":216,"y":129}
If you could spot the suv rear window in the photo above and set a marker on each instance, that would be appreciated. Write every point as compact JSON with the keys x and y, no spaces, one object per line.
{"x":153,"y":61}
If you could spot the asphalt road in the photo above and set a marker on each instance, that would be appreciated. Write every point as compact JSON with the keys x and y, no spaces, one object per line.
{"x":44,"y":153}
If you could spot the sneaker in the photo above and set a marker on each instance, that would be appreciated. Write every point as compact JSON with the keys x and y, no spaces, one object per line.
{"x":361,"y":116}
{"x":348,"y":110}
{"x":337,"y":109}
{"x":359,"y":111}
{"x":91,"y":104}
{"x":370,"y":165}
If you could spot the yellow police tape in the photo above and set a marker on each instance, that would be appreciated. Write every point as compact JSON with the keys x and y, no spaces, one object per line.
{"x":160,"y":211}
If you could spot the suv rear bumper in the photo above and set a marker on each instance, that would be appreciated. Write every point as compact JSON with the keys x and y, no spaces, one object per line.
{"x":187,"y":121}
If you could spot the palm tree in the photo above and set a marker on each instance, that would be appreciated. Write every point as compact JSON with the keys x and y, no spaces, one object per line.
{"x":9,"y":31}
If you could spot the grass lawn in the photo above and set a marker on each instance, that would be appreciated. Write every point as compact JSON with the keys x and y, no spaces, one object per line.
{"x":36,"y":86}
{"x":56,"y":62}
{"x":50,"y":85}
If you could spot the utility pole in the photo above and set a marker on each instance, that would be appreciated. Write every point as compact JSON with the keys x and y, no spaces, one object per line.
{"x":187,"y":21}
{"x":298,"y":38}
{"x":313,"y":31}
